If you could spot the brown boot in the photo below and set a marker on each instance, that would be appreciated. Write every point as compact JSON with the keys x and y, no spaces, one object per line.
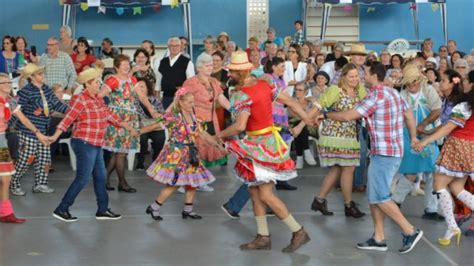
{"x":353,"y":211}
{"x":299,"y":238}
{"x":260,"y":242}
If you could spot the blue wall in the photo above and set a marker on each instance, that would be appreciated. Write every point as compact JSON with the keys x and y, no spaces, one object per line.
{"x":213,"y":16}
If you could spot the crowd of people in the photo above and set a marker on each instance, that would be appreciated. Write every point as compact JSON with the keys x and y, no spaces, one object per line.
{"x":385,"y":125}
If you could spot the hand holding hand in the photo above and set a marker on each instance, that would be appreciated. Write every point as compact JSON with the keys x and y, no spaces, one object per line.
{"x":43,"y":139}
{"x":133,"y":132}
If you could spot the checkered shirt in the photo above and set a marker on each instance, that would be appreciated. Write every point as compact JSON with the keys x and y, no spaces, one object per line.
{"x":298,"y":38}
{"x":90,"y":117}
{"x":59,"y":70}
{"x":384,"y":111}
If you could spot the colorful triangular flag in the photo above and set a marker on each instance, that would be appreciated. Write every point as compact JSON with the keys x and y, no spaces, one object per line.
{"x":101,"y":9}
{"x":174,"y":3}
{"x":84,"y":6}
{"x":137,"y":10}
{"x":370,"y":9}
{"x":435,"y":7}
{"x":120,"y":11}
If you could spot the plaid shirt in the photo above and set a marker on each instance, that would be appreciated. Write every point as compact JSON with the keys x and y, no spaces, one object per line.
{"x":91,"y":117}
{"x":59,"y":70}
{"x":29,"y":98}
{"x":298,"y":38}
{"x":384,"y":111}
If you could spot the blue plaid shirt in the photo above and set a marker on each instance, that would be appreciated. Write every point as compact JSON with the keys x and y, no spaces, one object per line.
{"x":29,"y":98}
{"x":298,"y":38}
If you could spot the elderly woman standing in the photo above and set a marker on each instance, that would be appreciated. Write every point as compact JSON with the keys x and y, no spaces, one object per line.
{"x":91,"y":117}
{"x":221,"y":75}
{"x":426,"y":106}
{"x":122,"y":103}
{"x":338,"y":145}
{"x":207,"y":92}
{"x":66,"y":43}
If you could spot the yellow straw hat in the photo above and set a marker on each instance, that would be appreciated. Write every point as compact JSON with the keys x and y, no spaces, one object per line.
{"x":357,"y":49}
{"x":411,"y":73}
{"x":88,"y":74}
{"x":31,"y":69}
{"x":240,"y":61}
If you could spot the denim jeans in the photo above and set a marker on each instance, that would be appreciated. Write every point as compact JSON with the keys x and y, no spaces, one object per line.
{"x":90,"y":162}
{"x":239,"y":199}
{"x":359,"y":174}
{"x":405,"y":186}
{"x":381,"y":171}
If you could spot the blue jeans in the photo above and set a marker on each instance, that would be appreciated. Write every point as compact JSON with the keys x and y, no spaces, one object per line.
{"x":239,"y":199}
{"x":381,"y":171}
{"x":359,"y":175}
{"x":90,"y":162}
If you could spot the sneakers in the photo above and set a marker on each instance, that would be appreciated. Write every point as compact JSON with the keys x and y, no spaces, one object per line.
{"x":309,"y":158}
{"x":107,"y":215}
{"x":299,"y":162}
{"x":373,"y":244}
{"x":17,"y":191}
{"x":42,"y":189}
{"x":410,"y":241}
{"x":140,"y":167}
{"x":232,"y":214}
{"x":206,"y":188}
{"x":434,"y":216}
{"x":64,"y":216}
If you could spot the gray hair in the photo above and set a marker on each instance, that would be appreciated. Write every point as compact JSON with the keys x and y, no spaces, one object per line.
{"x":66,"y":29}
{"x":273,"y":45}
{"x":271,"y":30}
{"x":210,"y":39}
{"x":173,"y":39}
{"x":203,"y":59}
{"x":461,"y":62}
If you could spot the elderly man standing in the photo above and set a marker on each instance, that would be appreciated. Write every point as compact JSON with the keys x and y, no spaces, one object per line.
{"x":172,"y":71}
{"x":385,"y":112}
{"x":58,"y":66}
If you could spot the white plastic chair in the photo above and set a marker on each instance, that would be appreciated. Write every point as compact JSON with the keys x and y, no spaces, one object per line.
{"x":72,"y":155}
{"x":131,"y":155}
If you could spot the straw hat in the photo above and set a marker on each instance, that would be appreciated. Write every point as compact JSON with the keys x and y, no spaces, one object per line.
{"x":240,"y":61}
{"x":357,"y":49}
{"x":223,"y":34}
{"x":88,"y":74}
{"x":411,"y":73}
{"x":31,"y":69}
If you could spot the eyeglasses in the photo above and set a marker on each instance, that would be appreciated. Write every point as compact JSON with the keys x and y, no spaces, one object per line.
{"x":52,"y":44}
{"x":291,"y":51}
{"x":300,"y":90}
{"x":463,"y":67}
{"x":6,"y":82}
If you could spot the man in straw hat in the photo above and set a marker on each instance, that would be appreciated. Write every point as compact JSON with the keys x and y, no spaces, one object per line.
{"x":38,"y":102}
{"x":385,"y":112}
{"x":262,"y":156}
{"x":91,"y":117}
{"x":426,"y":105}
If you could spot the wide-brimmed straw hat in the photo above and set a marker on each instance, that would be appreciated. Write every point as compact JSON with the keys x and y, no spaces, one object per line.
{"x":411,"y":74}
{"x":88,"y":74}
{"x":31,"y":69}
{"x":240,"y":61}
{"x":357,"y":49}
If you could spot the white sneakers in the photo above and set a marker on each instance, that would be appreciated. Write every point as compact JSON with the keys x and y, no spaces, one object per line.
{"x":308,"y":158}
{"x":299,"y":162}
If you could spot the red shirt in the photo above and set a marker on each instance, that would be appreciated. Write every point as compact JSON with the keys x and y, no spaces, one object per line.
{"x":79,"y":65}
{"x":91,"y":117}
{"x":261,"y":112}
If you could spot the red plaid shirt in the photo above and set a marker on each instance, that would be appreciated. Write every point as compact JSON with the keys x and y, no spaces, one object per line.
{"x":90,"y":116}
{"x":384,"y":111}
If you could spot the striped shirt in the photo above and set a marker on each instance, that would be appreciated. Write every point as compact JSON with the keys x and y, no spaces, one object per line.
{"x":29,"y":98}
{"x":91,"y":118}
{"x":59,"y":70}
{"x":384,"y":111}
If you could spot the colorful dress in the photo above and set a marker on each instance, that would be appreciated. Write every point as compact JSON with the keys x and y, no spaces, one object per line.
{"x":456,"y":157}
{"x":262,"y":155}
{"x":205,"y":108}
{"x":422,"y":105}
{"x":338,"y":143}
{"x":173,"y":166}
{"x":122,"y":98}
{"x":280,"y":113}
{"x":7,"y":168}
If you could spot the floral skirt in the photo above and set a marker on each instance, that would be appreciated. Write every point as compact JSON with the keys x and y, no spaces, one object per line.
{"x":339,"y":151}
{"x":258,"y":160}
{"x":118,"y":139}
{"x":172,"y":167}
{"x":456,"y":158}
{"x":7,"y":168}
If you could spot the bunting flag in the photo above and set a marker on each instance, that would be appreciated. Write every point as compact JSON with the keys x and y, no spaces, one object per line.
{"x":157,"y":8}
{"x":435,"y":7}
{"x":120,"y":11}
{"x":413,"y":6}
{"x":84,"y":6}
{"x":174,"y":3}
{"x":348,"y":8}
{"x":101,"y":9}
{"x":137,"y":11}
{"x":370,"y":9}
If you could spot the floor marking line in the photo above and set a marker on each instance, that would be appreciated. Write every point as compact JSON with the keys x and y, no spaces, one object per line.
{"x":446,"y":257}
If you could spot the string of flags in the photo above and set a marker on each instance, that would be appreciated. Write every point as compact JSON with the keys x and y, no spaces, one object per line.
{"x":136,"y":10}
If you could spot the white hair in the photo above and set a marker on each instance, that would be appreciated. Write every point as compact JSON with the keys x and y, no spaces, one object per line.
{"x":66,"y":29}
{"x":173,"y":39}
{"x":203,"y":59}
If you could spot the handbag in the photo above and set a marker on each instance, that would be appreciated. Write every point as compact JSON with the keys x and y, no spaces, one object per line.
{"x":193,"y":151}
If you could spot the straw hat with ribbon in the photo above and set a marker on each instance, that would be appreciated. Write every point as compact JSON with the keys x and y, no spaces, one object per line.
{"x":88,"y":74}
{"x":31,"y":69}
{"x":240,"y":61}
{"x":357,"y":49}
{"x":411,"y":74}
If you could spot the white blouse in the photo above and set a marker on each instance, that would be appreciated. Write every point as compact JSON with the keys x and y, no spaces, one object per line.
{"x":298,"y":75}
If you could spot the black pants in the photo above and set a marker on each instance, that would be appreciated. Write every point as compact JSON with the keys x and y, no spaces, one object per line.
{"x":157,"y":143}
{"x":302,"y":142}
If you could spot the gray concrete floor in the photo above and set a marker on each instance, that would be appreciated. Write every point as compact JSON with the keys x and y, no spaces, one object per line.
{"x":138,"y":240}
